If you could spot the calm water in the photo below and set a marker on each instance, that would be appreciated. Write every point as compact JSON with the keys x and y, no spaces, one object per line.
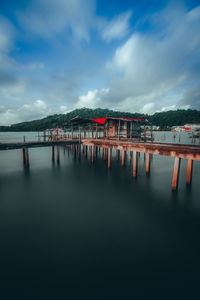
{"x":79,"y":231}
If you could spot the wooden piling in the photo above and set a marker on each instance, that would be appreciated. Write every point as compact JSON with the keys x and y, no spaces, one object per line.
{"x":189,"y":171}
{"x":109,"y":157}
{"x":73,"y":149}
{"x":78,"y":151}
{"x":27,"y":157}
{"x":58,"y":154}
{"x":134,"y":163}
{"x":148,"y":163}
{"x":52,"y":153}
{"x":23,"y":155}
{"x":117,"y":154}
{"x":123,"y":156}
{"x":177,"y":162}
{"x":92,"y":154}
{"x":104,"y":153}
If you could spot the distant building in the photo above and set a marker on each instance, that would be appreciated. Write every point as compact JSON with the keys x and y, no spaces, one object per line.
{"x":190,"y":128}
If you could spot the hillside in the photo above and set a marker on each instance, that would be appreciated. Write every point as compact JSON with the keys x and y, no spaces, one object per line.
{"x":162,"y":119}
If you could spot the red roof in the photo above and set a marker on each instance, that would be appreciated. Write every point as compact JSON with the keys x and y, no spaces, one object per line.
{"x":103,"y":120}
{"x":100,"y":121}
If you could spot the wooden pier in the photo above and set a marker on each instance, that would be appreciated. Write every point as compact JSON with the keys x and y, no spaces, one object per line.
{"x":122,"y":140}
{"x":178,"y":151}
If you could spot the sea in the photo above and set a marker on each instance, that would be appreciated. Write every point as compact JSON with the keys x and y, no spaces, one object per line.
{"x":76,"y":230}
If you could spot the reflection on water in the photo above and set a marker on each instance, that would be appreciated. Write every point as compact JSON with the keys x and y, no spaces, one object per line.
{"x":76,"y":230}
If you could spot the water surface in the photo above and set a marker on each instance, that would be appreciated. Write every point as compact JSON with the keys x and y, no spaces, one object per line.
{"x":73,"y":230}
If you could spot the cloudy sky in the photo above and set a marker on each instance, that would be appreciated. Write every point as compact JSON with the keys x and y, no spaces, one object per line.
{"x":129,"y":55}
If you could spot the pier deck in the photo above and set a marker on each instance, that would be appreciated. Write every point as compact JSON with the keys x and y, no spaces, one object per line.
{"x":34,"y":144}
{"x":175,"y":150}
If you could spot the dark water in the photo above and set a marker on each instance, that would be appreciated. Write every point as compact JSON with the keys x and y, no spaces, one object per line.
{"x":79,"y":231}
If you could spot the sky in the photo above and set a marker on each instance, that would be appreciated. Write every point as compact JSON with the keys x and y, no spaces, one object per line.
{"x":128,"y":55}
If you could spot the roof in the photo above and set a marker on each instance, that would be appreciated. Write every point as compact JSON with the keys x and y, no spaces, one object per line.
{"x":102,"y":121}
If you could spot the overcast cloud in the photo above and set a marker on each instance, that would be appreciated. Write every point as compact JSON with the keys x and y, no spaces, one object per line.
{"x":56,"y":56}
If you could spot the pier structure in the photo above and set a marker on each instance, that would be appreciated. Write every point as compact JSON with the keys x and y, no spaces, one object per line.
{"x":120,"y":134}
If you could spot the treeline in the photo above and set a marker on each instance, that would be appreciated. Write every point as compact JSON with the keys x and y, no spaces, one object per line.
{"x":163,"y":119}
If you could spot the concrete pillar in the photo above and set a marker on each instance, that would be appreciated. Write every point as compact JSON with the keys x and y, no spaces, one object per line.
{"x":189,"y":171}
{"x":109,"y":157}
{"x":148,"y":163}
{"x":134,"y":163}
{"x":123,"y":156}
{"x":177,"y":162}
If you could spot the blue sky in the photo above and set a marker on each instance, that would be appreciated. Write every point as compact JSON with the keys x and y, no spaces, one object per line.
{"x":136,"y":56}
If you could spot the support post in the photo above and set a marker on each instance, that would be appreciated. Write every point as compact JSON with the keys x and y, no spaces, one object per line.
{"x":58,"y":154}
{"x":52,"y":153}
{"x":148,"y":164}
{"x":119,"y":130}
{"x":78,"y":151}
{"x":72,"y":131}
{"x":189,"y":171}
{"x":117,"y":154}
{"x":92,"y":154}
{"x":79,"y":134}
{"x":134,"y":163}
{"x":176,"y":173}
{"x":123,"y":156}
{"x":104,"y":153}
{"x":27,"y":157}
{"x":23,"y":155}
{"x":109,"y":157}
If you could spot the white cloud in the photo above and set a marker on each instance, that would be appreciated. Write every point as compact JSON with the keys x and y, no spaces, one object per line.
{"x":148,"y":108}
{"x":158,"y":67}
{"x":117,"y":28}
{"x":46,"y":18}
{"x":92,"y":99}
{"x":34,"y":66}
{"x":28,"y":111}
{"x":174,"y":107}
{"x":64,"y":109}
{"x":6,"y":35}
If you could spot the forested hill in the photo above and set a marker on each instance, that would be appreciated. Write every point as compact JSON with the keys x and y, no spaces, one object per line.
{"x":162,"y":119}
